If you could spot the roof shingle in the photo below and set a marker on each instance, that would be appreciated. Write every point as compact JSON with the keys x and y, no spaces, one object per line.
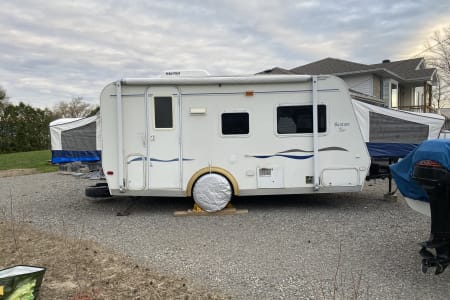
{"x":404,"y":68}
{"x":276,"y":70}
{"x":329,"y":65}
{"x":407,"y":70}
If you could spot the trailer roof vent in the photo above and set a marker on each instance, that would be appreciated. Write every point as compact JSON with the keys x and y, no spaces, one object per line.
{"x":185,"y":73}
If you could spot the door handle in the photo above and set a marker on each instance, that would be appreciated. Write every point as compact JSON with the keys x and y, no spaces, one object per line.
{"x":152,"y":138}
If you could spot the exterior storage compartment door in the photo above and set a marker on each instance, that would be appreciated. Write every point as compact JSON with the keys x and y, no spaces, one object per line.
{"x":340,"y":177}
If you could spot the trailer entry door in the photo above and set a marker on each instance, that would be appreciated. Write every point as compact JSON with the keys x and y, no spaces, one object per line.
{"x":164,"y":161}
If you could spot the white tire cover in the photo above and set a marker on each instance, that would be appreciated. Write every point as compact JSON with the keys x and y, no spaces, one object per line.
{"x":212,"y":192}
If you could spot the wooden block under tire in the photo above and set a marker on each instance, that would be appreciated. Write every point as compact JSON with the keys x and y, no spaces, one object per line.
{"x":225,"y":211}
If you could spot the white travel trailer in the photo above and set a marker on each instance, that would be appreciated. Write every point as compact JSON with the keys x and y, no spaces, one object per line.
{"x":214,"y":137}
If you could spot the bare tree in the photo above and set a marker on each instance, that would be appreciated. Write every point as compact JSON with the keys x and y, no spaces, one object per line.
{"x":2,"y":93}
{"x":438,"y":56}
{"x":4,"y":100}
{"x":76,"y":108}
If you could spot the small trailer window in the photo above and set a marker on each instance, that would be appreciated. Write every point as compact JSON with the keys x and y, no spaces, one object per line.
{"x":235,"y":123}
{"x":299,"y":119}
{"x":163,"y":112}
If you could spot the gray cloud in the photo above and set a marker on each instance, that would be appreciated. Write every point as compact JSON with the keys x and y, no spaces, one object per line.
{"x":55,"y":50}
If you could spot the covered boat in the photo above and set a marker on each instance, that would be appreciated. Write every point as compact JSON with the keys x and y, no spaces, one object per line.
{"x":423,"y":178}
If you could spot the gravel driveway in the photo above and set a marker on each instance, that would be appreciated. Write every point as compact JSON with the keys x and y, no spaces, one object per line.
{"x":286,"y":247}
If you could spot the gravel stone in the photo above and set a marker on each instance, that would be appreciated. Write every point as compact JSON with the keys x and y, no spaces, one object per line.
{"x":349,"y":245}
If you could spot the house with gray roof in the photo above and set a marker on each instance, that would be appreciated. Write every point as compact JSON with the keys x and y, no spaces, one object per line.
{"x":404,"y":84}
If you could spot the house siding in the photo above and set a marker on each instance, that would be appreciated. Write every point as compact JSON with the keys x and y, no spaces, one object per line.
{"x":362,"y":84}
{"x":408,"y":96}
{"x":377,"y":81}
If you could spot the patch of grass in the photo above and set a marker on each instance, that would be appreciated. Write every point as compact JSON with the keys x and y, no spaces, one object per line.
{"x":28,"y":160}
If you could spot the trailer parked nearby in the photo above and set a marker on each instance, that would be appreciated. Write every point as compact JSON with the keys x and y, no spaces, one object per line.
{"x":392,"y":134}
{"x":76,"y":140}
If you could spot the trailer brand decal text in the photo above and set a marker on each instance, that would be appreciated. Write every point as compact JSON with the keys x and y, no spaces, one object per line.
{"x":341,"y":126}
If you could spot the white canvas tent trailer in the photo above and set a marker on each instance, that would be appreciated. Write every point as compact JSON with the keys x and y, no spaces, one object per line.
{"x":395,"y":133}
{"x":392,"y":134}
{"x":76,"y":140}
{"x":214,"y":137}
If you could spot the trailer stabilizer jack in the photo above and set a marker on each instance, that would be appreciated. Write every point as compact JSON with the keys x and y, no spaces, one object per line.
{"x":440,"y":261}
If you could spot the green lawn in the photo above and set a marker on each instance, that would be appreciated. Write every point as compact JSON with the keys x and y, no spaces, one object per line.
{"x":28,"y":160}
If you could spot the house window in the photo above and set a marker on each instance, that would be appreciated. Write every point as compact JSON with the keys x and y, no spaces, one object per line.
{"x":418,"y":96}
{"x":163,"y":112}
{"x":299,"y":119}
{"x":394,"y":95}
{"x":235,"y":123}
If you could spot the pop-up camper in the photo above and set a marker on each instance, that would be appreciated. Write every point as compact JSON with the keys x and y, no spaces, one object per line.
{"x":76,"y":139}
{"x":391,"y":133}
{"x":214,"y":137}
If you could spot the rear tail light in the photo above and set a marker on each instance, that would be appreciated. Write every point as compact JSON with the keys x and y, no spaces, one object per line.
{"x":429,"y":164}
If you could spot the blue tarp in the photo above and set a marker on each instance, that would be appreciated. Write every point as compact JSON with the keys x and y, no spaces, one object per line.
{"x":67,"y":156}
{"x":436,"y":150}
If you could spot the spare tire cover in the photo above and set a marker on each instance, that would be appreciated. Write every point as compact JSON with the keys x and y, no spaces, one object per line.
{"x":212,"y":192}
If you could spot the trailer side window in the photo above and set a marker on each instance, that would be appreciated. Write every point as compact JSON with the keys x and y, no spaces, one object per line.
{"x":163,"y":112}
{"x":235,"y":123}
{"x":299,"y":119}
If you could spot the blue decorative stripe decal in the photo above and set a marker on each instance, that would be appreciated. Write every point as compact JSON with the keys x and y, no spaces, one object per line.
{"x":158,"y":160}
{"x":333,"y":149}
{"x":282,"y":153}
{"x":320,"y":150}
{"x":295,"y":156}
{"x":169,"y":160}
{"x":164,"y":160}
{"x":294,"y":150}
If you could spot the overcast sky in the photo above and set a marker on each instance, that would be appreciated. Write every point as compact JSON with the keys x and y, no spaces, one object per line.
{"x":54,"y":50}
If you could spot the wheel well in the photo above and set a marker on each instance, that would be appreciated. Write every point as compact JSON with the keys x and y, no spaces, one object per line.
{"x":217,"y":170}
